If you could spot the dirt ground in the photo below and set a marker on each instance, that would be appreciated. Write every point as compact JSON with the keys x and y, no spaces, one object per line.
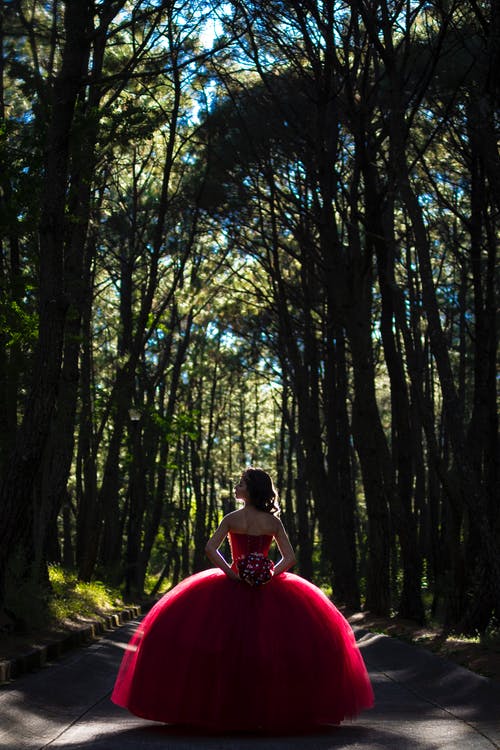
{"x":478,"y":657}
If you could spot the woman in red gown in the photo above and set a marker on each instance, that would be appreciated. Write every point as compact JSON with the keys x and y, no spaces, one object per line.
{"x":243,"y":646}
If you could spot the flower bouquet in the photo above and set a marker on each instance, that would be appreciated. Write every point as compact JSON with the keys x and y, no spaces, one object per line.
{"x":255,"y":568}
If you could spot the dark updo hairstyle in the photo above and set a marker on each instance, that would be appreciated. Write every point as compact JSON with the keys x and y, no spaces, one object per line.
{"x":261,"y":490}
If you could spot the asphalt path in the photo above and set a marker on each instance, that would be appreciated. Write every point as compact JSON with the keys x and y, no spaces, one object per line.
{"x":423,"y":702}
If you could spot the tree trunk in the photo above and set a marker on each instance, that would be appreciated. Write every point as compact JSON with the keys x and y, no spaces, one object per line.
{"x":88,"y":520}
{"x":111,"y":542}
{"x":153,"y":519}
{"x":19,"y":480}
{"x":371,"y":447}
{"x":381,"y":238}
{"x":136,"y":505}
{"x":305,"y":531}
{"x":468,"y":482}
{"x":344,"y":554}
{"x":78,"y":258}
{"x":12,"y":287}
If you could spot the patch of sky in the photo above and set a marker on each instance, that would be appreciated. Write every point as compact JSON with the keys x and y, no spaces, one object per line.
{"x":213,"y":27}
{"x":450,"y":293}
{"x":204,"y":101}
{"x":212,"y":330}
{"x":160,"y":333}
{"x":426,"y":199}
{"x":151,"y":357}
{"x":188,"y":158}
{"x":227,"y":338}
{"x":26,"y":117}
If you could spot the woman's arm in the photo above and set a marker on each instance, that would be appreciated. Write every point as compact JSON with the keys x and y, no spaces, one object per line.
{"x":212,"y":550}
{"x":287,"y":554}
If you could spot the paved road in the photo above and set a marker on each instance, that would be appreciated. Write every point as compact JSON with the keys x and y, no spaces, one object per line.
{"x":422,"y":702}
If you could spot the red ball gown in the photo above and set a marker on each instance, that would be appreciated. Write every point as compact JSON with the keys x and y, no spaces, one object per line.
{"x":223,"y":655}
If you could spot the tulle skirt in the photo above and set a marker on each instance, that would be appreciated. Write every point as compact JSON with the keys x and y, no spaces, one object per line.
{"x":220,"y":654}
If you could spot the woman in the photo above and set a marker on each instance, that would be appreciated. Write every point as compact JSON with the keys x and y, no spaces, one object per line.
{"x":245,"y":646}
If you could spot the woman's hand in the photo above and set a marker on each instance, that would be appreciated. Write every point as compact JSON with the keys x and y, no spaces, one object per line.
{"x":255,"y":568}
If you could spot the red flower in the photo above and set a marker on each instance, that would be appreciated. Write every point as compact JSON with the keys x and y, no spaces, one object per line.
{"x":255,"y":568}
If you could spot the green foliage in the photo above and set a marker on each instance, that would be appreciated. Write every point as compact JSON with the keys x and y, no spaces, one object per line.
{"x":491,"y":637}
{"x":19,"y":326}
{"x":72,"y":599}
{"x":183,"y":423}
{"x":34,"y":605}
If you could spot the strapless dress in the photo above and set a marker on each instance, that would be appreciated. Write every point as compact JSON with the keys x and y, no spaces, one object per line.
{"x":220,"y":654}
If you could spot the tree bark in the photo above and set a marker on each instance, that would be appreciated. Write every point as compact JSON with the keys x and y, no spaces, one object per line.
{"x":19,"y":479}
{"x":340,"y":472}
{"x":380,"y":236}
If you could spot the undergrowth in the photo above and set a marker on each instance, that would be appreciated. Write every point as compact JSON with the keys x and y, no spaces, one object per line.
{"x":31,"y":606}
{"x":71,"y":598}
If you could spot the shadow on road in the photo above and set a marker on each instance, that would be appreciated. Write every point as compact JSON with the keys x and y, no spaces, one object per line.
{"x":421,"y":702}
{"x":179,"y":738}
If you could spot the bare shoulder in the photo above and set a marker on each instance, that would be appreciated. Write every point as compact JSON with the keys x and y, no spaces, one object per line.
{"x":235,"y":521}
{"x":249,"y":521}
{"x":271,"y":525}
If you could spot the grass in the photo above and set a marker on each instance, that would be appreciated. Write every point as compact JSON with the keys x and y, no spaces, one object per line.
{"x":41,"y":616}
{"x":73,"y":599}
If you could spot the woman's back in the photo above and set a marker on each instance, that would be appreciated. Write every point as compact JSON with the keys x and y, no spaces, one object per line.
{"x":249,"y":520}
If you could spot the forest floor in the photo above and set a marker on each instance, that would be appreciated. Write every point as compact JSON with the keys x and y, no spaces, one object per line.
{"x":482,"y":657}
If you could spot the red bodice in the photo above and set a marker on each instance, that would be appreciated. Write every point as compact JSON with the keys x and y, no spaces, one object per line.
{"x":243,"y":544}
